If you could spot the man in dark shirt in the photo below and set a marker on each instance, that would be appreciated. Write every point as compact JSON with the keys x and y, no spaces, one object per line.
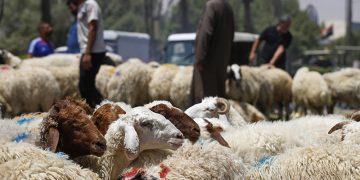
{"x":277,"y":40}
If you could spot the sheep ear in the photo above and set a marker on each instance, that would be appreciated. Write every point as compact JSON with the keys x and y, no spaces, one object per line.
{"x":215,"y":133}
{"x":52,"y":139}
{"x":131,"y":142}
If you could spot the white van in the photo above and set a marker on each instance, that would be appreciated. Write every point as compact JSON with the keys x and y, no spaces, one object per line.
{"x":128,"y":44}
{"x":180,"y":48}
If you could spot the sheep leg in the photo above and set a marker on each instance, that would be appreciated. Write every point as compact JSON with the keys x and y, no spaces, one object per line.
{"x":330,"y":108}
{"x":280,"y":112}
{"x":287,"y":111}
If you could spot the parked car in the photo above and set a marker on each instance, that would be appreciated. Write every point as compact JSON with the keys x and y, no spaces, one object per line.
{"x":180,"y":48}
{"x":128,"y":44}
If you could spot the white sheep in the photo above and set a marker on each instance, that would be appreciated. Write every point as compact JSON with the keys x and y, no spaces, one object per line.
{"x":214,"y":107}
{"x":102,"y":79}
{"x":247,"y":111}
{"x":57,"y":60}
{"x":28,"y":90}
{"x":21,"y":129}
{"x":208,"y":161}
{"x":247,"y":84}
{"x":180,"y":87}
{"x":136,"y":131}
{"x":282,"y":83}
{"x":64,"y":67}
{"x":255,"y":141}
{"x":310,"y":91}
{"x":338,"y":160}
{"x":25,"y":161}
{"x":130,"y":83}
{"x":117,"y":59}
{"x":9,"y":58}
{"x":161,"y":81}
{"x":344,"y":86}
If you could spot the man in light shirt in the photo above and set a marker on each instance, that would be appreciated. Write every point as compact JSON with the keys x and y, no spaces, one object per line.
{"x":92,"y":46}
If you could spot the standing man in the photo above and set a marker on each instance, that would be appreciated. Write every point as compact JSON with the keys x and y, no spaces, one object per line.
{"x":277,"y":40}
{"x":214,"y":39}
{"x":42,"y":46}
{"x":92,"y":46}
{"x":72,"y":42}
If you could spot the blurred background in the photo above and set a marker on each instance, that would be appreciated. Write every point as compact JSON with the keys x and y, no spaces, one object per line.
{"x":326,"y":32}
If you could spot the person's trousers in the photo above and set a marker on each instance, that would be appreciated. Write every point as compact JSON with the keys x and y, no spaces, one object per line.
{"x":87,"y":80}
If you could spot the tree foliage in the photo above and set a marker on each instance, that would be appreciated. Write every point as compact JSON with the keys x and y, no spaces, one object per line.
{"x":17,"y":29}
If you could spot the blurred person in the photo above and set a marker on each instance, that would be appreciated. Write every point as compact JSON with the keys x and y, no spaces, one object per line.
{"x":277,"y":39}
{"x":72,"y":38}
{"x":92,"y":47}
{"x":214,"y":39}
{"x":42,"y":46}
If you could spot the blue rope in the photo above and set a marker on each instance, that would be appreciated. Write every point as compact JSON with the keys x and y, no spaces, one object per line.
{"x":20,"y":137}
{"x":62,"y":155}
{"x":263,"y":161}
{"x":24,"y":121}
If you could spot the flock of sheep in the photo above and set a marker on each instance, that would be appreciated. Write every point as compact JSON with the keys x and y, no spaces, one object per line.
{"x":210,"y":140}
{"x":35,"y":84}
{"x":147,"y":130}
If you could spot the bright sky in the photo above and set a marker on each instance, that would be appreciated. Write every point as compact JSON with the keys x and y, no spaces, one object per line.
{"x":332,"y":9}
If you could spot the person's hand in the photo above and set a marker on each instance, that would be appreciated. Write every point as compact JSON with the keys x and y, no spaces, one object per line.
{"x":86,"y":61}
{"x":252,"y":57}
{"x":272,"y":62}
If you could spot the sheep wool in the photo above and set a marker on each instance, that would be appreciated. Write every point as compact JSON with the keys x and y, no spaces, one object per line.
{"x":25,"y":161}
{"x":337,"y":161}
{"x":180,"y":87}
{"x":344,"y":85}
{"x":208,"y":161}
{"x":255,"y":141}
{"x":103,"y":78}
{"x":130,"y":82}
{"x":310,"y":90}
{"x":160,"y":84}
{"x":28,"y":90}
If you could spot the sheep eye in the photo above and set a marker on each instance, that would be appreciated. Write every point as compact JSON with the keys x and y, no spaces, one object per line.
{"x":97,"y":122}
{"x":146,"y":124}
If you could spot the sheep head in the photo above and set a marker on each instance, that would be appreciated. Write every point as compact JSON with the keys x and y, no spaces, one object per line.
{"x":354,"y":116}
{"x":105,"y":115}
{"x":68,"y":128}
{"x":142,"y":129}
{"x":182,"y":121}
{"x":234,"y":74}
{"x":210,"y":107}
{"x":82,"y":104}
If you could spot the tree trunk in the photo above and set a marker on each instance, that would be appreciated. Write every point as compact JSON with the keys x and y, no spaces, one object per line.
{"x":247,"y":14}
{"x":278,"y":7}
{"x":348,"y":22}
{"x":184,"y":16}
{"x":45,"y":11}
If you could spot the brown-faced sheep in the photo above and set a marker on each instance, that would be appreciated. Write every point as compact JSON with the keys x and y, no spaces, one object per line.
{"x":69,"y":129}
{"x":182,"y":121}
{"x":105,"y":115}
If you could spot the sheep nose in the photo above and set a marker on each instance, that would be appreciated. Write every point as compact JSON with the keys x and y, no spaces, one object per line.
{"x":180,"y":136}
{"x":101,"y":144}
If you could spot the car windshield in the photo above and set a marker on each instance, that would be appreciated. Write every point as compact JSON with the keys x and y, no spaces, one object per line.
{"x":180,"y":53}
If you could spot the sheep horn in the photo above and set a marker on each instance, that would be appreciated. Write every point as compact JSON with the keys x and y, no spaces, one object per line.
{"x":338,"y":126}
{"x":223,"y":105}
{"x":355,"y":116}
